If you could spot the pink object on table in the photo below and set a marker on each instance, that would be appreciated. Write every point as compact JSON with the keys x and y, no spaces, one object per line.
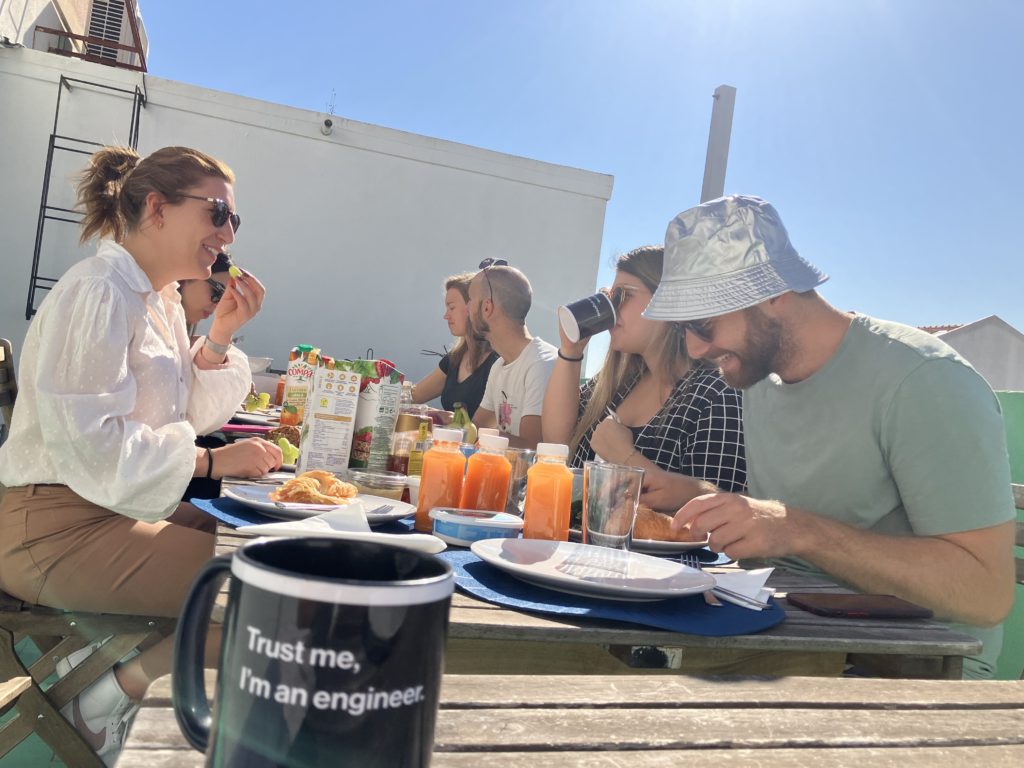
{"x":255,"y":429}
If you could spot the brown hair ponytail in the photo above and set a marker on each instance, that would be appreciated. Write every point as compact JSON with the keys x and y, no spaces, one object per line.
{"x":112,"y":191}
{"x":99,"y":188}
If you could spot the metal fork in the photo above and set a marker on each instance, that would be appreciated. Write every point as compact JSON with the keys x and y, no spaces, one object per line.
{"x":383,"y":509}
{"x":692,"y":559}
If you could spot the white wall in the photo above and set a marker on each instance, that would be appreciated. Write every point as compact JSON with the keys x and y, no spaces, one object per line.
{"x":994,"y":348}
{"x":352,"y":233}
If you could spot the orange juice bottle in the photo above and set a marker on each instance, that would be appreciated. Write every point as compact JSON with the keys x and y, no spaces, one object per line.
{"x":548,"y":494}
{"x":487,"y":476}
{"x":441,"y":482}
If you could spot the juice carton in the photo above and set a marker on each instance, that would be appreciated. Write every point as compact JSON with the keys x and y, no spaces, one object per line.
{"x":302,"y":364}
{"x":329,"y":417}
{"x":379,"y":393}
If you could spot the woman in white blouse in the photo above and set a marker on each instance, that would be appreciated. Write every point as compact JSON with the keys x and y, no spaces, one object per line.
{"x":111,"y":398}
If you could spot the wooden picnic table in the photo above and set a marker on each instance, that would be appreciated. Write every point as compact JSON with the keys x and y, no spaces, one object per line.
{"x":646,"y":722}
{"x":489,"y":639}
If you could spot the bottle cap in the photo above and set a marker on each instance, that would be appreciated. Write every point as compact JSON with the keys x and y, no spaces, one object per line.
{"x":493,"y":442}
{"x":487,"y":431}
{"x":553,"y":449}
{"x":442,"y":435}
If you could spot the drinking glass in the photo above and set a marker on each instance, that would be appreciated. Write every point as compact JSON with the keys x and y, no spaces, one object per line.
{"x":611,"y":494}
{"x":521,"y":460}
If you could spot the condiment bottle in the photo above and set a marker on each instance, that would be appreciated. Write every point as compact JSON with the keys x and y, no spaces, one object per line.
{"x":406,"y":430}
{"x":419,"y":448}
{"x":461,"y":419}
{"x":548,"y":494}
{"x":487,"y":476}
{"x":443,"y":470}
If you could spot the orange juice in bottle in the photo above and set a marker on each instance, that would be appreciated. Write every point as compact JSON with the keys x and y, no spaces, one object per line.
{"x":548,"y":494}
{"x":441,"y":482}
{"x":487,"y":476}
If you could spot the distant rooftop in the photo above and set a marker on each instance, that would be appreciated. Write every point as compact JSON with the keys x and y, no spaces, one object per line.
{"x":939,"y":329}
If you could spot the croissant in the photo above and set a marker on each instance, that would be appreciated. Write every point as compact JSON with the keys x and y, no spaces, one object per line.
{"x":656,"y":526}
{"x":316,"y":487}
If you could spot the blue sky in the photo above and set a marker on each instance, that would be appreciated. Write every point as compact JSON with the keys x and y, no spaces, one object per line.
{"x":887,"y":134}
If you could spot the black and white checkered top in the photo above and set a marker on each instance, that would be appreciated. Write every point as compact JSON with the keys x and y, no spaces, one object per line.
{"x":698,"y":431}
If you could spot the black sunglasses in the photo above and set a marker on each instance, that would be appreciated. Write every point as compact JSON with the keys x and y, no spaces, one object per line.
{"x":700,"y":328}
{"x":220,"y":213}
{"x":216,"y":290}
{"x":484,"y":266}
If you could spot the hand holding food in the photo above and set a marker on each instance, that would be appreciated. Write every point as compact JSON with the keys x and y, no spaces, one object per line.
{"x":246,"y":458}
{"x":242,"y":299}
{"x":658,"y":527}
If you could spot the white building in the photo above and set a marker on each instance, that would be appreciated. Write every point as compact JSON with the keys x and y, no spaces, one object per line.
{"x":352,"y":229}
{"x":61,"y":26}
{"x":993,"y":346}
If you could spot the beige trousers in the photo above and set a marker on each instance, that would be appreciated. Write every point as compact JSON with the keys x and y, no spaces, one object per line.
{"x":59,"y":550}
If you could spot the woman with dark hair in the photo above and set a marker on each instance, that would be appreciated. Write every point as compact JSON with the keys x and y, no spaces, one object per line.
{"x":112,"y":396}
{"x":461,"y":376}
{"x":649,"y":406}
{"x":199,"y":298}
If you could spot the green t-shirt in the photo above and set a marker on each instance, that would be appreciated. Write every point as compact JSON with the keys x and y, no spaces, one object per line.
{"x":896,"y":433}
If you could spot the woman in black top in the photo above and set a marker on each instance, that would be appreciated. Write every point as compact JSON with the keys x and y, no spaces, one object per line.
{"x":461,"y":376}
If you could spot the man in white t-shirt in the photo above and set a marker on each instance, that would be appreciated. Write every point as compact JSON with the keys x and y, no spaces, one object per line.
{"x":499,"y":300}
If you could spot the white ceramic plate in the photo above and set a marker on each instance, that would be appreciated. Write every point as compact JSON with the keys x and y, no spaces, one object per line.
{"x":423,"y":542}
{"x":258,"y":497}
{"x":656,"y":547}
{"x":581,"y":569}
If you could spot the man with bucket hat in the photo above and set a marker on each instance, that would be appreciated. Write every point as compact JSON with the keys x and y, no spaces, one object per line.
{"x":875,"y":453}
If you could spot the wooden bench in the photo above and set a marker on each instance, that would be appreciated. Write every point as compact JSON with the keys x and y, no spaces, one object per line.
{"x":56,"y":633}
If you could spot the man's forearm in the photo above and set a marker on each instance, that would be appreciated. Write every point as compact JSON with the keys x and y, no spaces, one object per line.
{"x":961,"y":577}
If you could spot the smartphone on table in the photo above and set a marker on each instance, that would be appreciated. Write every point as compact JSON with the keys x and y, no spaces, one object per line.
{"x":858,"y":606}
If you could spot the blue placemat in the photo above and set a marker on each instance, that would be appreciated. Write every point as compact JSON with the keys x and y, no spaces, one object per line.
{"x":682,"y":614}
{"x":235,"y":514}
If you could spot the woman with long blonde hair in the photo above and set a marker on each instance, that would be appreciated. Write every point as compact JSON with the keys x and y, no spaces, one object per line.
{"x":461,"y":375}
{"x":649,"y":406}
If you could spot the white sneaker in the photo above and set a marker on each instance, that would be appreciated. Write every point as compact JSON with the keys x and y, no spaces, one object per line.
{"x":102,"y":712}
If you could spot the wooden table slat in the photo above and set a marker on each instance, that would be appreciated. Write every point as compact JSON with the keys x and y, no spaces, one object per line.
{"x":645,"y":721}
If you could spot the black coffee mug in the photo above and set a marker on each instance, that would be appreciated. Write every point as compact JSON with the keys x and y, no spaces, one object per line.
{"x":587,"y":317}
{"x":332,"y":655}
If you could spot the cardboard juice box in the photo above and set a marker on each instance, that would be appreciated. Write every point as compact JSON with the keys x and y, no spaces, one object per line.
{"x":380,"y":389}
{"x":329,"y":417}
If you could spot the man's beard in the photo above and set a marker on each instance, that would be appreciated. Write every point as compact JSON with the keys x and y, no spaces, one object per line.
{"x":477,"y":327}
{"x":763,"y":352}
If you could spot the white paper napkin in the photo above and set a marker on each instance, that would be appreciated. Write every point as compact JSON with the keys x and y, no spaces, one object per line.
{"x":734,"y":586}
{"x":348,"y":522}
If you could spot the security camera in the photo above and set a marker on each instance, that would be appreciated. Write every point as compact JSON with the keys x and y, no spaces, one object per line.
{"x":327,"y":127}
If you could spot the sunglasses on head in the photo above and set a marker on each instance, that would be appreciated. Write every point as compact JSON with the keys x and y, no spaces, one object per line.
{"x":220,"y":213}
{"x":216,"y":290}
{"x":483,"y":268}
{"x":702,"y":329}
